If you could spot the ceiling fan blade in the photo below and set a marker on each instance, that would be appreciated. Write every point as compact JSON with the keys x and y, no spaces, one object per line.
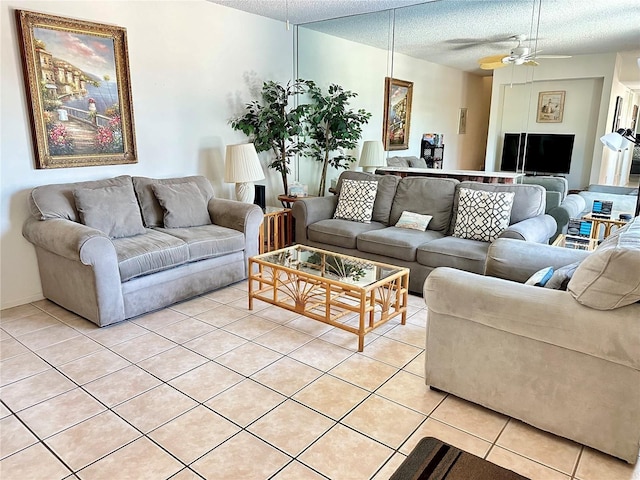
{"x":493,"y":58}
{"x":553,"y":56}
{"x":492,"y":65}
{"x":531,"y":63}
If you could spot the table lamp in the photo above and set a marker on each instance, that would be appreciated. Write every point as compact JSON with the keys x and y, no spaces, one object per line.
{"x":372,"y":155}
{"x":242,"y":167}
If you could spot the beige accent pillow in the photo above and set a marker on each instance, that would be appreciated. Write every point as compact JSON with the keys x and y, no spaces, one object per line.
{"x":414,"y":221}
{"x":183,"y":205}
{"x":112,"y":210}
{"x":610,"y":276}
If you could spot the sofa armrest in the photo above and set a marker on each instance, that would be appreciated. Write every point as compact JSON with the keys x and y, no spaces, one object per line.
{"x":543,"y":314}
{"x":516,"y":260}
{"x":244,"y":217}
{"x":571,"y":207}
{"x":307,"y":211}
{"x":535,"y":229}
{"x":68,"y":239}
{"x":78,"y":268}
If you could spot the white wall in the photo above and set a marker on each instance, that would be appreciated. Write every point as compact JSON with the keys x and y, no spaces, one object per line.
{"x":438,"y":94}
{"x":189,"y":63}
{"x":580,"y":118}
{"x":557,"y":75}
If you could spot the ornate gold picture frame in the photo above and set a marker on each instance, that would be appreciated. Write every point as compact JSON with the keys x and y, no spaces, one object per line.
{"x":397,"y":113}
{"x":79,"y":91}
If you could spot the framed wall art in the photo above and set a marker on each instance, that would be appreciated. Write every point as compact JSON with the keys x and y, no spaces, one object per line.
{"x":462,"y":121}
{"x":78,"y":91}
{"x":397,"y":114}
{"x":617,"y":115}
{"x":550,"y":107}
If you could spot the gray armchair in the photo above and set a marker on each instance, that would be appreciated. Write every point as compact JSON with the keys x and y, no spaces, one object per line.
{"x":560,"y":205}
{"x":567,"y":362}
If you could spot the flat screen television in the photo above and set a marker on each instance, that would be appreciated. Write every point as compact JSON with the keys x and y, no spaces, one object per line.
{"x":541,"y":152}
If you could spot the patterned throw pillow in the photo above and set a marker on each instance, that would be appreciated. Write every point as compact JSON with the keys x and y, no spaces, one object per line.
{"x":414,"y":221}
{"x":482,"y":215}
{"x":356,"y":200}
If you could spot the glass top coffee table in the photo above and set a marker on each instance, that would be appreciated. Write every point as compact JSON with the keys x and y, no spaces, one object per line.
{"x":330,"y":287}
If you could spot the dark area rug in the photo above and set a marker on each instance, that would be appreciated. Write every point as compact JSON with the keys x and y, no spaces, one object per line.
{"x":432,"y":459}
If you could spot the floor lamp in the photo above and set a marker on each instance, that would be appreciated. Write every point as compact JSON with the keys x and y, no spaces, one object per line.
{"x":242,"y":167}
{"x":618,"y":142}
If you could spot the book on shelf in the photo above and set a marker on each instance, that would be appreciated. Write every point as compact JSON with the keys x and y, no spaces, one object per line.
{"x":433,"y":139}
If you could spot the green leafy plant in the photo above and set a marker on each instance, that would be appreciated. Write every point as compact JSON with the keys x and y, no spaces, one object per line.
{"x":274,"y":125}
{"x":332,"y":127}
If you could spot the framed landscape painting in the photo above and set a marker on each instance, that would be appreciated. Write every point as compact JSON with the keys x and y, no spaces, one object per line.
{"x":78,"y":90}
{"x":397,"y":113}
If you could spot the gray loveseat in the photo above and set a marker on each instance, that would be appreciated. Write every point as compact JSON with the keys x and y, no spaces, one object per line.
{"x":567,"y":362}
{"x":104,"y":253}
{"x":421,"y":251}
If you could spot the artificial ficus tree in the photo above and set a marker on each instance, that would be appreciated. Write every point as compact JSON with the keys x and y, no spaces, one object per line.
{"x":331,"y":126}
{"x":272,"y":123}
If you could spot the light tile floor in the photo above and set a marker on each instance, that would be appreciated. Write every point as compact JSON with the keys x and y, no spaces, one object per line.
{"x":208,"y":389}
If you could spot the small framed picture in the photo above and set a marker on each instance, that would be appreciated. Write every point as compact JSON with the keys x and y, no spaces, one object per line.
{"x":462,"y":121}
{"x":550,"y":107}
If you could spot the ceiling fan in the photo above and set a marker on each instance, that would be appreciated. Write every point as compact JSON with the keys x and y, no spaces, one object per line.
{"x":519,"y":55}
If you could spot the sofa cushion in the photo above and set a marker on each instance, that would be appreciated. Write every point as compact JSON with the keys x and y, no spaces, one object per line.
{"x":415,"y":162}
{"x":56,"y":201}
{"x":469,"y":255}
{"x":401,"y":162}
{"x":152,"y":252}
{"x":152,"y":213}
{"x":561,"y":277}
{"x":609,"y":277}
{"x":356,"y":199}
{"x":208,"y":241}
{"x":426,"y":196}
{"x":387,"y":185}
{"x":341,"y":233}
{"x":482,"y":215}
{"x":183,"y":205}
{"x":113,"y":210}
{"x":529,"y":200}
{"x":413,"y":221}
{"x":395,"y":242}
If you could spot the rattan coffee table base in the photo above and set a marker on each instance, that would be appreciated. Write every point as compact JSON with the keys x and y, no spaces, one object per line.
{"x":330,"y":301}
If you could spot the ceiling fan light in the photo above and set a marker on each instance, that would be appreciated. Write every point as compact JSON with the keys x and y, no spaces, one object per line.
{"x":519,"y":61}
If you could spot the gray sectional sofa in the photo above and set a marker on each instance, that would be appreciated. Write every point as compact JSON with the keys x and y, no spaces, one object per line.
{"x":421,"y":251}
{"x":113,"y":249}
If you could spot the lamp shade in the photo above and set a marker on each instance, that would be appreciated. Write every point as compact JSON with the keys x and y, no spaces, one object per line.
{"x":242,"y":164}
{"x":615,"y":141}
{"x":372,"y":154}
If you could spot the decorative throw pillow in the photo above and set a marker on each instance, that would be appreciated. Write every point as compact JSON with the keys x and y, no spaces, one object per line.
{"x":183,"y":205}
{"x":112,"y":210}
{"x":356,"y":200}
{"x":540,"y":278}
{"x":482,"y":215}
{"x":560,"y":278}
{"x":416,"y":162}
{"x":414,"y":221}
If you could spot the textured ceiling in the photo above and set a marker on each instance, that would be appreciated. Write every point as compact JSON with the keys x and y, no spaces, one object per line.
{"x":458,"y":32}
